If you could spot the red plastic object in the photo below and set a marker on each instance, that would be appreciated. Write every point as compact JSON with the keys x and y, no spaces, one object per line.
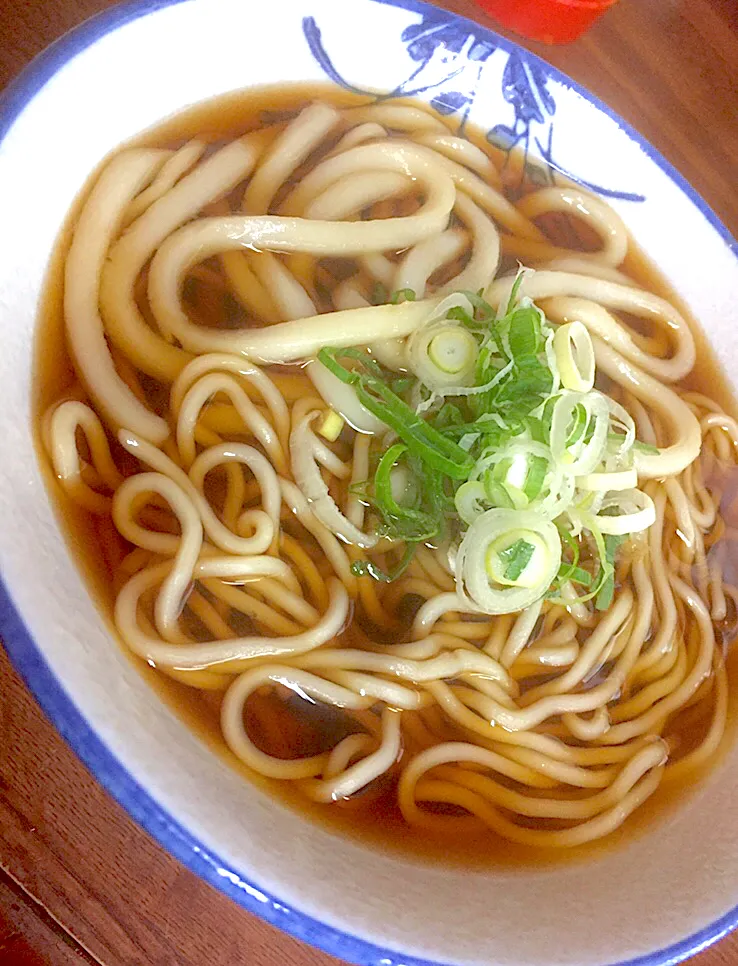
{"x":552,"y":21}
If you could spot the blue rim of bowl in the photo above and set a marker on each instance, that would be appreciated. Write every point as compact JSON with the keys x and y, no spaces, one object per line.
{"x":61,"y":710}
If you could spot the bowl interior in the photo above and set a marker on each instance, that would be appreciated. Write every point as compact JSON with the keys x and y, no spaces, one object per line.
{"x":355,"y":903}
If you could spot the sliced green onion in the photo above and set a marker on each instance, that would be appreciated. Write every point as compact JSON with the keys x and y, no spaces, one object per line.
{"x":575,"y":357}
{"x":607,"y":587}
{"x":524,"y":333}
{"x":637,"y":512}
{"x":367,"y":568}
{"x":402,"y":295}
{"x":624,"y":420}
{"x":498,"y":529}
{"x":535,"y":477}
{"x":517,"y":559}
{"x":469,"y":500}
{"x":583,"y":455}
{"x":515,"y":290}
{"x":341,"y":398}
{"x":453,"y":350}
{"x":421,"y":438}
{"x":523,"y":440}
{"x":620,"y":480}
{"x":409,"y":522}
{"x":443,"y":356}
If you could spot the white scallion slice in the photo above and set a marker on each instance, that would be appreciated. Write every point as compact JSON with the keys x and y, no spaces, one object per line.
{"x":575,"y":357}
{"x":499,"y":529}
{"x":453,"y":350}
{"x":580,"y":457}
{"x":620,"y":480}
{"x":443,"y":356}
{"x":469,"y":499}
{"x":622,"y":418}
{"x":637,"y":512}
{"x":533,"y":550}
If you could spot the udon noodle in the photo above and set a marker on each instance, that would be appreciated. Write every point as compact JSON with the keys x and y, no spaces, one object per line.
{"x":246,"y":474}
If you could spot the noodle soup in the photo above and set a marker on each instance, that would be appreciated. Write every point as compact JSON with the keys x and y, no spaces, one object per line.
{"x":403,"y":476}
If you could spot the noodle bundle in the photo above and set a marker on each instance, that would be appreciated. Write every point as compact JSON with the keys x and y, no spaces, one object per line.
{"x":361,"y":460}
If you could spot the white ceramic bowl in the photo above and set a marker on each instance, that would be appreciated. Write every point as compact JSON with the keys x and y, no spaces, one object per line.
{"x":656,"y":900}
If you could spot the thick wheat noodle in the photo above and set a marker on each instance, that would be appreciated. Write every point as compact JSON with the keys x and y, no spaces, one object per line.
{"x":303,"y":443}
{"x":390,"y":693}
{"x":198,"y":395}
{"x":417,"y":266}
{"x":240,"y":600}
{"x":63,"y":423}
{"x":354,"y":192}
{"x":124,"y":324}
{"x":541,"y":755}
{"x":341,"y":756}
{"x":354,"y":511}
{"x":428,"y":562}
{"x":520,"y":634}
{"x":699,"y":671}
{"x":286,"y":341}
{"x":538,"y":659}
{"x":209,"y":654}
{"x":369,"y":131}
{"x":399,"y":117}
{"x":379,"y":267}
{"x":602,"y":323}
{"x":286,"y":153}
{"x":670,"y":677}
{"x":170,"y":599}
{"x":584,"y":832}
{"x":290,"y":298}
{"x":517,"y":802}
{"x":587,"y":729}
{"x":235,"y":733}
{"x":435,"y":608}
{"x":261,"y":522}
{"x":169,"y":174}
{"x":449,"y":664}
{"x":290,"y":603}
{"x":332,"y":548}
{"x":490,"y":688}
{"x":611,"y":295}
{"x":253,"y":376}
{"x":599,"y":644}
{"x":676,"y":771}
{"x":484,"y":256}
{"x":98,"y":223}
{"x":463,"y":151}
{"x":489,"y":199}
{"x":684,"y":429}
{"x":247,"y":288}
{"x":594,"y":213}
{"x":578,"y":265}
{"x":360,"y":774}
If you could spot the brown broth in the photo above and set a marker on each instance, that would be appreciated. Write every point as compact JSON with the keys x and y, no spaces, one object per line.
{"x":372,"y":818}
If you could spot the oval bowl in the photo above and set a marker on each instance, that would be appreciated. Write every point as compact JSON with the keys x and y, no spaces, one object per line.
{"x":655,"y":900}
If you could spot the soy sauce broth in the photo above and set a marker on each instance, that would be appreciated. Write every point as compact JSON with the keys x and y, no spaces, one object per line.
{"x":285,"y":723}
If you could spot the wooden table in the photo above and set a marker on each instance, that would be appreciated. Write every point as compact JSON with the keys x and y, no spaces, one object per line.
{"x":81,"y":882}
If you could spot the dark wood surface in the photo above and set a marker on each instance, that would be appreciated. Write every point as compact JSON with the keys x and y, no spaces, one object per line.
{"x":81,"y":882}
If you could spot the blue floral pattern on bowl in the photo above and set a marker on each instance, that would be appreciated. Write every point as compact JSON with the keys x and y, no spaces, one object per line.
{"x":448,"y":58}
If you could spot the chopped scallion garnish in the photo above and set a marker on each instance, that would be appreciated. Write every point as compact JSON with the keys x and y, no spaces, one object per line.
{"x":498,"y":420}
